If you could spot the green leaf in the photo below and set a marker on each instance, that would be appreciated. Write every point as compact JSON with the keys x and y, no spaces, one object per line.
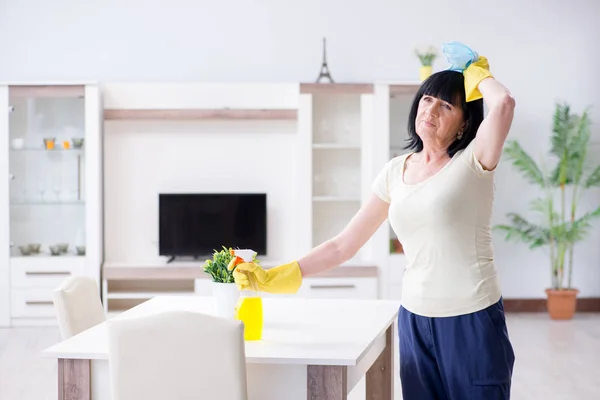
{"x":521,"y":229}
{"x":563,"y":124}
{"x":217,"y":266}
{"x":577,"y":230}
{"x":545,"y":207}
{"x":593,"y":179}
{"x":570,"y":143}
{"x":524,"y":162}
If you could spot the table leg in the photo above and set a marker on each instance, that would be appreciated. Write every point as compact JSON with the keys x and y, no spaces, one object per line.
{"x":74,"y":379}
{"x":380,"y":377}
{"x":327,"y":382}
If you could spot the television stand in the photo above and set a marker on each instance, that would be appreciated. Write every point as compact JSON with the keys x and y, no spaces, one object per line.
{"x":188,"y":258}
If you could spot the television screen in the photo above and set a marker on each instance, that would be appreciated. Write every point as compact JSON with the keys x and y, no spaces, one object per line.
{"x":196,"y":224}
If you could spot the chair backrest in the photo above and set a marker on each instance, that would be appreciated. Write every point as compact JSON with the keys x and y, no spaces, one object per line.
{"x":177,"y":355}
{"x":78,"y":305}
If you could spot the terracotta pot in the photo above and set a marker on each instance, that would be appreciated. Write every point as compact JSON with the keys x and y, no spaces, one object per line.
{"x":398,"y":246}
{"x":562,"y":303}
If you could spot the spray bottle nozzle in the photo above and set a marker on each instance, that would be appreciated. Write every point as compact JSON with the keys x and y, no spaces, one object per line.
{"x":245,"y":254}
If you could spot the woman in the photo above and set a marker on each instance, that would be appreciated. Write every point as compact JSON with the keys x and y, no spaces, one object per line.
{"x":452,"y":331}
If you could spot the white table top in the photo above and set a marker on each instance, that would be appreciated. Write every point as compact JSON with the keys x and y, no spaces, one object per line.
{"x":295,"y":330}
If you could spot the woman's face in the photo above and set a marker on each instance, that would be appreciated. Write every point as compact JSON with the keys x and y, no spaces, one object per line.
{"x":438,"y":120}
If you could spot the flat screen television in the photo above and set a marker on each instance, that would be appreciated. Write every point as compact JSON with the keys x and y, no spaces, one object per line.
{"x":196,"y":224}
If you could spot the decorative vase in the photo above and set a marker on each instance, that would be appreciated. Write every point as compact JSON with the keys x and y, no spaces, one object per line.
{"x":226,"y":297}
{"x":425,"y":72}
{"x":562,"y":303}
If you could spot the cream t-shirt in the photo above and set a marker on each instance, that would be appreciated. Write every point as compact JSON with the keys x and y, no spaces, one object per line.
{"x":444,"y":225}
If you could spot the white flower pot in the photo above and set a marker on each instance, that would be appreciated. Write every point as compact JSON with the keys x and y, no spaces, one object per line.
{"x":226,"y":297}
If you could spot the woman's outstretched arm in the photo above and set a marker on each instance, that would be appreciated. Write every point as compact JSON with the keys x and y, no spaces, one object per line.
{"x":344,"y":246}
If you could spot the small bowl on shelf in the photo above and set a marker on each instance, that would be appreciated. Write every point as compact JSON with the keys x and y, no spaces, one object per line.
{"x":55,"y":250}
{"x":77,"y":142}
{"x":63,"y":247}
{"x":80,"y":250}
{"x":34,"y":248}
{"x":25,"y":250}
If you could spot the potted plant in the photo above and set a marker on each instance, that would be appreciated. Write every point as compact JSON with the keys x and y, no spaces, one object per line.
{"x":427,"y":57}
{"x":220,"y":268}
{"x":561,"y":225}
{"x":225,"y":291}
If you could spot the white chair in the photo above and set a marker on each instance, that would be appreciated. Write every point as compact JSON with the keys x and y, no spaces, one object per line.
{"x":177,"y":355}
{"x":78,"y":305}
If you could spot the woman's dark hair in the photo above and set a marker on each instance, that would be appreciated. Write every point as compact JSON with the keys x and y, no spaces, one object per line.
{"x":450,"y":87}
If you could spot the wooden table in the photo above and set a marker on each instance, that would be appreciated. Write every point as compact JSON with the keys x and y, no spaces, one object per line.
{"x":312,"y":348}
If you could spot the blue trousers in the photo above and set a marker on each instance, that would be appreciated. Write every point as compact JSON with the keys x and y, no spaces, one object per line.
{"x":467,"y":357}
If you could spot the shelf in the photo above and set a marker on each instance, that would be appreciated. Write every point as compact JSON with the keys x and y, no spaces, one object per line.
{"x":47,"y":90}
{"x":351,"y":269}
{"x":404,"y":88}
{"x":335,"y":146}
{"x":336,"y":88}
{"x":47,"y":256}
{"x":48,"y":203}
{"x":145,"y":295}
{"x":344,"y":199}
{"x":55,"y":150}
{"x":161,"y":272}
{"x":200,"y":114}
{"x":158,"y":272}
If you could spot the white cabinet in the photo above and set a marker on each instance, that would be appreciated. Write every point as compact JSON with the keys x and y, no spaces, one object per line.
{"x":339,"y":288}
{"x":335,"y":134}
{"x":51,"y":198}
{"x":313,"y":287}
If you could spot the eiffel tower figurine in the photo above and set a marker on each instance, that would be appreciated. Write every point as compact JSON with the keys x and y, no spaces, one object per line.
{"x":324,"y":74}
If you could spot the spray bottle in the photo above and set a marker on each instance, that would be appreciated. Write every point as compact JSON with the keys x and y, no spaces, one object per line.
{"x":249,"y":309}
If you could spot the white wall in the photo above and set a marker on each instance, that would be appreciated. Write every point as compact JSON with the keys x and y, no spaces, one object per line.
{"x":144,"y":159}
{"x":543,"y":50}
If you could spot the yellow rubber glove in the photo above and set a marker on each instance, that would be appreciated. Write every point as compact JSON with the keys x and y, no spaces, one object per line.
{"x":474,"y":74}
{"x":281,"y":279}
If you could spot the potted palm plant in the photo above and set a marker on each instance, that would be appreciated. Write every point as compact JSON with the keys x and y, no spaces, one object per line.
{"x":561,"y":226}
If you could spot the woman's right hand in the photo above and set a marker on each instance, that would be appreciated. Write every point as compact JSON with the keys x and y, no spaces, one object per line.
{"x":285,"y":278}
{"x":249,"y":276}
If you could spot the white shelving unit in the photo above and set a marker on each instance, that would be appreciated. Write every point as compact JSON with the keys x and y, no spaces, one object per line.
{"x":335,"y":131}
{"x":346,"y":134}
{"x":52,"y":200}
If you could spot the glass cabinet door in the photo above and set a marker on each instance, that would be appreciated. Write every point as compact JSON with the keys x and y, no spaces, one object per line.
{"x":47,"y":160}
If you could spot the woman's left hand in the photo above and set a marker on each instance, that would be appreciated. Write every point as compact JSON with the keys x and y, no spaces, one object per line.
{"x":459,"y":55}
{"x":474,"y":67}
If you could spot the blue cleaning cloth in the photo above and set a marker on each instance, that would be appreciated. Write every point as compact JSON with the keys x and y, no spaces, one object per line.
{"x":459,"y":56}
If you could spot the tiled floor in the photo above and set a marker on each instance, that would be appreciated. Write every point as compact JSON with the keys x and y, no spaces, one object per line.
{"x":555,"y":360}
